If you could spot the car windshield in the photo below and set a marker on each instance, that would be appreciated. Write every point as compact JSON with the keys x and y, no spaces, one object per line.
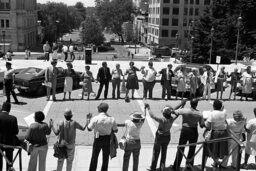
{"x":31,"y":71}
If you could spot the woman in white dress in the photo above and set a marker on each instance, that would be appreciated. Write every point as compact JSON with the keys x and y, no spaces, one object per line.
{"x":247,"y":83}
{"x":68,"y":84}
{"x":181,"y":82}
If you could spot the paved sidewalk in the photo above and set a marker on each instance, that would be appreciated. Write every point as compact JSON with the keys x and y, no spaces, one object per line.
{"x":83,"y":156}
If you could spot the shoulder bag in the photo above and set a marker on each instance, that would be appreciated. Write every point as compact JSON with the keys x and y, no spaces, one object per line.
{"x":60,"y":150}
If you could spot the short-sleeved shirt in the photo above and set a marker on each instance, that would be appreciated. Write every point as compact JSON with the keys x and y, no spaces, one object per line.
{"x":116,"y":73}
{"x":68,"y":130}
{"x":236,"y":127}
{"x":37,"y":133}
{"x":9,"y":74}
{"x":217,"y":119}
{"x":150,"y":74}
{"x":65,"y":49}
{"x":164,"y":124}
{"x":103,"y":124}
{"x":190,"y":117}
{"x":133,"y":130}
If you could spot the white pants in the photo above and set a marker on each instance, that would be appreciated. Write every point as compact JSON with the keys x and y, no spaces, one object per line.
{"x":38,"y":153}
{"x":207,"y":91}
{"x":71,"y":154}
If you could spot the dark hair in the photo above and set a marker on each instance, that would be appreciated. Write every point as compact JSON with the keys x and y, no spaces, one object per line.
{"x":39,"y":116}
{"x":6,"y":107}
{"x":104,"y":63}
{"x":137,"y":120}
{"x":103,"y":107}
{"x":150,"y":63}
{"x":68,"y":117}
{"x":87,"y":67}
{"x":167,"y":112}
{"x":131,"y":63}
{"x":217,"y":105}
{"x":194,"y":103}
{"x":169,"y":65}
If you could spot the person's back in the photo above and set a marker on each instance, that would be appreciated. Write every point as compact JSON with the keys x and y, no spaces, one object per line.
{"x":190,"y":117}
{"x":8,"y":128}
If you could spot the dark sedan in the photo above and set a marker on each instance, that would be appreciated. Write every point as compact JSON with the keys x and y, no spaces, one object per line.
{"x":30,"y":80}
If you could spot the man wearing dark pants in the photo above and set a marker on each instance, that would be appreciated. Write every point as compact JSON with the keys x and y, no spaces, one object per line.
{"x":8,"y":131}
{"x":190,"y":119}
{"x":103,"y":77}
{"x":102,"y":124}
{"x":8,"y":83}
{"x":149,"y":80}
{"x":166,"y":81}
{"x":116,"y":80}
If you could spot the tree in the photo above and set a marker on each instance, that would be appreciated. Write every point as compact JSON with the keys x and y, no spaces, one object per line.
{"x":223,"y":17}
{"x":81,"y":9}
{"x":57,"y":19}
{"x":91,"y":32}
{"x":112,"y":14}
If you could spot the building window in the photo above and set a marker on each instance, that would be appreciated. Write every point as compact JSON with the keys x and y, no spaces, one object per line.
{"x":176,"y":1}
{"x":175,"y":22}
{"x":7,"y":23}
{"x":166,"y":10}
{"x":196,"y":11}
{"x":184,"y":22}
{"x":173,"y":33}
{"x":156,"y":33}
{"x":197,"y":2}
{"x":186,"y":33}
{"x":185,"y":11}
{"x":207,"y":2}
{"x":166,"y":1}
{"x":157,"y":10}
{"x":4,"y":4}
{"x":191,"y":1}
{"x":175,"y":11}
{"x":2,"y":23}
{"x":165,"y":33}
{"x":191,"y":11}
{"x":165,"y":21}
{"x":157,"y":21}
{"x":186,"y":1}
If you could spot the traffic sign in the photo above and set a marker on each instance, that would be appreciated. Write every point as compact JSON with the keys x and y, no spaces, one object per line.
{"x":218,"y":58}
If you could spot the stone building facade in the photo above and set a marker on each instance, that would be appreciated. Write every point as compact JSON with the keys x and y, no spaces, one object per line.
{"x":18,"y":24}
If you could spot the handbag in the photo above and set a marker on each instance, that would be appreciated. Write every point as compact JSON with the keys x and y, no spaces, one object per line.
{"x":60,"y":151}
{"x":127,"y":99}
{"x":123,"y":141}
{"x":27,"y":146}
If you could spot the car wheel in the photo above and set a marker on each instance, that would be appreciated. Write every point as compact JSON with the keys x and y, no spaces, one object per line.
{"x":41,"y":91}
{"x":21,"y":91}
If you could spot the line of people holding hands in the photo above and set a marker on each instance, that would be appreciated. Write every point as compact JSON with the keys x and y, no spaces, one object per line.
{"x":104,"y":126}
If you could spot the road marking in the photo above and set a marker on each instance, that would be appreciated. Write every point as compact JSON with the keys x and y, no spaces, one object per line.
{"x":150,"y":121}
{"x":30,"y":118}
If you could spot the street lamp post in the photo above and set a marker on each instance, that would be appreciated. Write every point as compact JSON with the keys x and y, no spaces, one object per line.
{"x":57,"y":30}
{"x":239,"y":20}
{"x":191,"y":54}
{"x":4,"y":40}
{"x":177,"y":40}
{"x":212,"y":32}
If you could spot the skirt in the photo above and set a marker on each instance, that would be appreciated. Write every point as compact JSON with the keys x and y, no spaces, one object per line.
{"x":68,"y":84}
{"x":218,"y":149}
{"x":132,"y":82}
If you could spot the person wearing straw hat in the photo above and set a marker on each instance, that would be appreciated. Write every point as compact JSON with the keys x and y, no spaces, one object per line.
{"x":133,"y":144}
{"x":8,"y":83}
{"x":103,"y":125}
{"x":66,"y":130}
{"x":163,"y":135}
{"x":68,"y":84}
{"x":51,"y":79}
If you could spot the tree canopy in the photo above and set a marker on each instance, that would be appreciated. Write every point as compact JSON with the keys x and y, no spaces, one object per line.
{"x":91,"y":32}
{"x":223,"y":17}
{"x":112,"y":14}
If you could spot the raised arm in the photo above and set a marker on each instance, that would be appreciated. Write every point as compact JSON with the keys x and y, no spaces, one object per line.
{"x":181,"y":105}
{"x":147,"y":109}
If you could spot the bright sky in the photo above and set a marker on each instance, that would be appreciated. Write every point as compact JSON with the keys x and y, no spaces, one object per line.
{"x":87,"y":3}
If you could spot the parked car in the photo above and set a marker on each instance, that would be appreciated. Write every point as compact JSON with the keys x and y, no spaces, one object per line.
{"x":188,"y":69}
{"x":30,"y":80}
{"x":2,"y":54}
{"x":16,"y":71}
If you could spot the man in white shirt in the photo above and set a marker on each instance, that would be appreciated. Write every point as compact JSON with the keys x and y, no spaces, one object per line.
{"x":71,"y":51}
{"x":47,"y":49}
{"x":102,"y":124}
{"x":149,"y":80}
{"x":65,"y":51}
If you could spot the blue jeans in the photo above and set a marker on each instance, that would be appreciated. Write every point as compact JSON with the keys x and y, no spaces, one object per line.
{"x":160,"y":144}
{"x":134,"y":148}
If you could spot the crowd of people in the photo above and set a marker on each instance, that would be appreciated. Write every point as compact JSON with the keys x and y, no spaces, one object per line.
{"x":104,"y":126}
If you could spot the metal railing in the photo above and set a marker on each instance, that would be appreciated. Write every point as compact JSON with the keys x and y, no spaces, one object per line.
{"x":205,"y":146}
{"x":18,"y":153}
